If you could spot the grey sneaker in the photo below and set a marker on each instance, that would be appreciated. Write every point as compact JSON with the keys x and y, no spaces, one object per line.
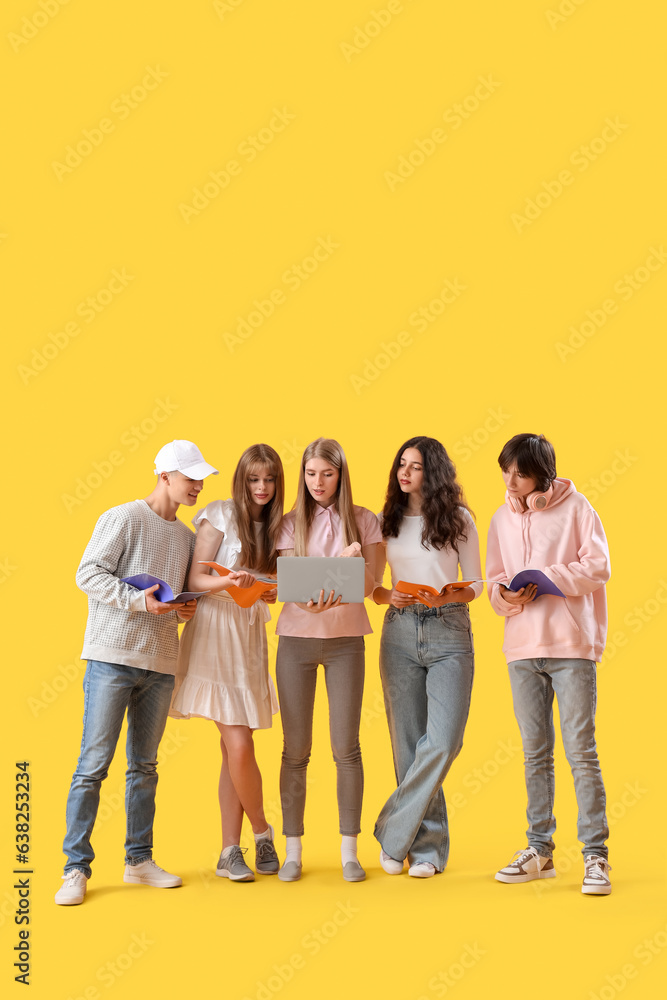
{"x":266,"y":857}
{"x":353,"y":872}
{"x":596,"y":879}
{"x":73,"y":889}
{"x":234,"y":867}
{"x":290,"y":872}
{"x":525,"y":866}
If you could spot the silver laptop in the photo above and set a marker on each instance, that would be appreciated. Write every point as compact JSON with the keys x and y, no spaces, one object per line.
{"x":301,"y":578}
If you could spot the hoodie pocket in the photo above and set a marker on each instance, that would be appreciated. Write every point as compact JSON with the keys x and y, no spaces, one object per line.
{"x":570,"y":617}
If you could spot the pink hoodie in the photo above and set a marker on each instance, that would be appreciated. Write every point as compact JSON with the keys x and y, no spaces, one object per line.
{"x":567,"y":542}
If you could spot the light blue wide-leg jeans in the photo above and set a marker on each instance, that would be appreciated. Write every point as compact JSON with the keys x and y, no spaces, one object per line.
{"x":427,"y":666}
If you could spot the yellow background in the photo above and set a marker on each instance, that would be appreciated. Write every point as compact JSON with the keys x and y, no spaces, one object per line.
{"x":154,"y":364}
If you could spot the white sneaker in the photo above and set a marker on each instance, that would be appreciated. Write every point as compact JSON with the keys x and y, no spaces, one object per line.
{"x":596,"y":880}
{"x":423,"y":869}
{"x":390,"y":865}
{"x":148,"y":873}
{"x":525,"y":866}
{"x":73,"y":890}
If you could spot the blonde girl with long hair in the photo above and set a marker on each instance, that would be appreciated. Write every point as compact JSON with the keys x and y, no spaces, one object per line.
{"x":324,"y":522}
{"x":223,"y":658}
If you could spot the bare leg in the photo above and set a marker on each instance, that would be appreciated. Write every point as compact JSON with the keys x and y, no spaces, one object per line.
{"x":242,"y":783}
{"x":231,"y":810}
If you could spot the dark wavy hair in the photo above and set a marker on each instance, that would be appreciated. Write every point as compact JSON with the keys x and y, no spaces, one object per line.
{"x":442,"y":497}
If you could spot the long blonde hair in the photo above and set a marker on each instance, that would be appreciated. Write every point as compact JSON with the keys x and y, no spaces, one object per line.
{"x":331,"y":452}
{"x":259,"y":557}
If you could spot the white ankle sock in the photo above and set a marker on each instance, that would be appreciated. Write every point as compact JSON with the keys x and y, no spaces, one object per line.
{"x":293,"y":849}
{"x":226,"y":850}
{"x":267,"y":835}
{"x":348,"y":849}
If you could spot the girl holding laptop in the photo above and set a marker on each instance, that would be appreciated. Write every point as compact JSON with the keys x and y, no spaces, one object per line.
{"x":324,"y":522}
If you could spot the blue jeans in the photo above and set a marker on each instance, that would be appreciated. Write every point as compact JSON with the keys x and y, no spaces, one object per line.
{"x":427,"y":665}
{"x":109,"y":689}
{"x":534,"y":683}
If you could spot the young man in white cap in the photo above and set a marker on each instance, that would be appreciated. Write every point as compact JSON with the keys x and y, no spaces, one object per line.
{"x":131,"y":644}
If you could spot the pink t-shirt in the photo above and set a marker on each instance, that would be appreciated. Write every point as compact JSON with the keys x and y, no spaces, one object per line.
{"x":326,"y":539}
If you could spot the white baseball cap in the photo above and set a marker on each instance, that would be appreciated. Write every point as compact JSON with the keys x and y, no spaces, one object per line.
{"x":185,"y":457}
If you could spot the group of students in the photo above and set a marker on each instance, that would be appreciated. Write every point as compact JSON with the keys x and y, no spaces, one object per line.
{"x":219,"y":670}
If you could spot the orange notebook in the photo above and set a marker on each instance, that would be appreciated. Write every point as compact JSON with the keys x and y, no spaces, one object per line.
{"x":414,"y":588}
{"x":245,"y":597}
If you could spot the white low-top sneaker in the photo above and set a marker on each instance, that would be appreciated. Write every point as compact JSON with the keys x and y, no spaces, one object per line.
{"x":73,"y":889}
{"x":148,"y":873}
{"x":423,"y":869}
{"x":596,"y":879}
{"x":525,"y":866}
{"x":390,"y":865}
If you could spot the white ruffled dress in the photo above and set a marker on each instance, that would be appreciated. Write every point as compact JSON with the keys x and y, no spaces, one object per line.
{"x":222,"y":671}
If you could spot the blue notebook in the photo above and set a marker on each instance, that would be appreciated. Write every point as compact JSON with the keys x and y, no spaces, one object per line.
{"x":164,"y":593}
{"x":544,"y":584}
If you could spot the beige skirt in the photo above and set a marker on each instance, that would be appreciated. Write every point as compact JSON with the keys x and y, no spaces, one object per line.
{"x":223,"y":672}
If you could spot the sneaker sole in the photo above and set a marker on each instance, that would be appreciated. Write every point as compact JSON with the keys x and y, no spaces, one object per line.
{"x":69,"y":902}
{"x":134,"y":880}
{"x":508,"y":879}
{"x":594,"y":890}
{"x":222,"y":873}
{"x":265,"y":871}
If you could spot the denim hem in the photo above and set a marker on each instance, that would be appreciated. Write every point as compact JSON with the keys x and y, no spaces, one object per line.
{"x":137,"y":861}
{"x":78,"y":867}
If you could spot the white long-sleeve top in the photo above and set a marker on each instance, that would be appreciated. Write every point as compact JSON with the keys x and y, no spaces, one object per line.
{"x":128,"y":540}
{"x":410,"y":561}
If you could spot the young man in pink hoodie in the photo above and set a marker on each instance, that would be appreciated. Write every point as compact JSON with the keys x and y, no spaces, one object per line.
{"x":552,"y":645}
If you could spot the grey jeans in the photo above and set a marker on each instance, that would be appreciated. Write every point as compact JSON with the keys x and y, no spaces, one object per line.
{"x":534,"y":683}
{"x":296,"y":673}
